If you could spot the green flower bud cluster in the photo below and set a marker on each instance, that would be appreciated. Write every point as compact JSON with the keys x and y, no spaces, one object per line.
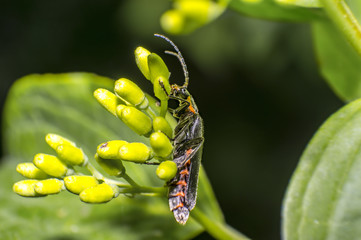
{"x":131,"y":105}
{"x":50,"y":174}
{"x":188,"y":15}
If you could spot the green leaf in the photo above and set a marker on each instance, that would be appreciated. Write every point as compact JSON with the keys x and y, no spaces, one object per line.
{"x":323,"y":200}
{"x":64,"y":104}
{"x":269,"y":9}
{"x":339,"y":63}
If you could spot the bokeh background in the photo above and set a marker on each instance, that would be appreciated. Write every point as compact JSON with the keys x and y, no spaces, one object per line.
{"x":255,"y":82}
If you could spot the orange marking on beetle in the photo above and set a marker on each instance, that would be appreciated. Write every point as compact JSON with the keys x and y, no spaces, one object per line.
{"x":179,"y":194}
{"x":179,"y":205}
{"x":189,"y":151}
{"x":182,"y":182}
{"x":190,"y":108}
{"x":184,"y":172}
{"x":188,"y":162}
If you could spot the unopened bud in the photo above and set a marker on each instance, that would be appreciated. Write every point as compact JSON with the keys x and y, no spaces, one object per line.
{"x":198,"y":11}
{"x":161,"y":88}
{"x":50,"y":165}
{"x":167,"y":170}
{"x":49,"y":186}
{"x":135,"y":152}
{"x":114,"y":167}
{"x":108,"y":100}
{"x":157,"y":68}
{"x":161,"y":144}
{"x":25,"y":188}
{"x":141,"y":58}
{"x":135,"y":119}
{"x":98,"y":194}
{"x":110,"y":149}
{"x":29,"y":170}
{"x":71,"y":155}
{"x":77,"y":184}
{"x":172,"y":21}
{"x":54,"y":140}
{"x":162,"y":125}
{"x":130,"y":93}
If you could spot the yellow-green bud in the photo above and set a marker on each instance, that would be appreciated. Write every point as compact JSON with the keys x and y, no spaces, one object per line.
{"x":136,"y":120}
{"x":167,"y":170}
{"x":141,"y":58}
{"x":49,"y":186}
{"x":50,"y":165}
{"x":29,"y":170}
{"x":107,"y":99}
{"x":54,"y":140}
{"x":160,"y":144}
{"x":110,"y":149}
{"x":130,"y":93}
{"x":172,"y":21}
{"x":157,"y":68}
{"x":200,"y":11}
{"x":77,"y":184}
{"x":162,"y":125}
{"x":135,"y":152}
{"x":25,"y":188}
{"x":71,"y":155}
{"x":161,"y":88}
{"x":114,"y":167}
{"x":98,"y":194}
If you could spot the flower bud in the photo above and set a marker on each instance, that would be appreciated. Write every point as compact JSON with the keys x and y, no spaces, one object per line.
{"x":141,"y":59}
{"x":110,"y":149}
{"x":160,"y":144}
{"x":49,"y":186}
{"x":136,"y":120}
{"x":107,"y":99}
{"x":98,"y":194}
{"x":172,"y":21}
{"x":71,"y":155}
{"x":25,"y":188}
{"x":161,"y":88}
{"x":50,"y":165}
{"x":130,"y":93}
{"x":157,"y":67}
{"x":29,"y":170}
{"x":162,"y":125}
{"x":167,"y":170}
{"x":53,"y":140}
{"x":77,"y":184}
{"x":135,"y":152}
{"x":198,"y":11}
{"x":114,"y":167}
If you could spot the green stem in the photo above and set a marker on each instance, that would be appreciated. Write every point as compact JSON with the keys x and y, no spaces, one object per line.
{"x":342,"y":16}
{"x":218,"y":230}
{"x":94,"y":171}
{"x":163,"y":107}
{"x":154,"y":191}
{"x":129,"y":180}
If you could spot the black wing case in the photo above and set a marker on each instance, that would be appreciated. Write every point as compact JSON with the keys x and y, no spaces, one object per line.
{"x":190,"y":149}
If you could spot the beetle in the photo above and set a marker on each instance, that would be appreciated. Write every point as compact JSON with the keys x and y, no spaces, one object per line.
{"x":187,"y":146}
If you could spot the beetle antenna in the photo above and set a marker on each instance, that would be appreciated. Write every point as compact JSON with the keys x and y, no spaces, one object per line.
{"x":179,"y":56}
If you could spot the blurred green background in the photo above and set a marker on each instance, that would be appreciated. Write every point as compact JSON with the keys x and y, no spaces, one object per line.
{"x":255,"y":82}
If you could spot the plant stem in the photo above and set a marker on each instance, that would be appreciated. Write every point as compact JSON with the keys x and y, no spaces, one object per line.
{"x":94,"y":171}
{"x":163,"y":107}
{"x":154,"y":191}
{"x":218,"y":230}
{"x":129,"y":180}
{"x":342,"y":16}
